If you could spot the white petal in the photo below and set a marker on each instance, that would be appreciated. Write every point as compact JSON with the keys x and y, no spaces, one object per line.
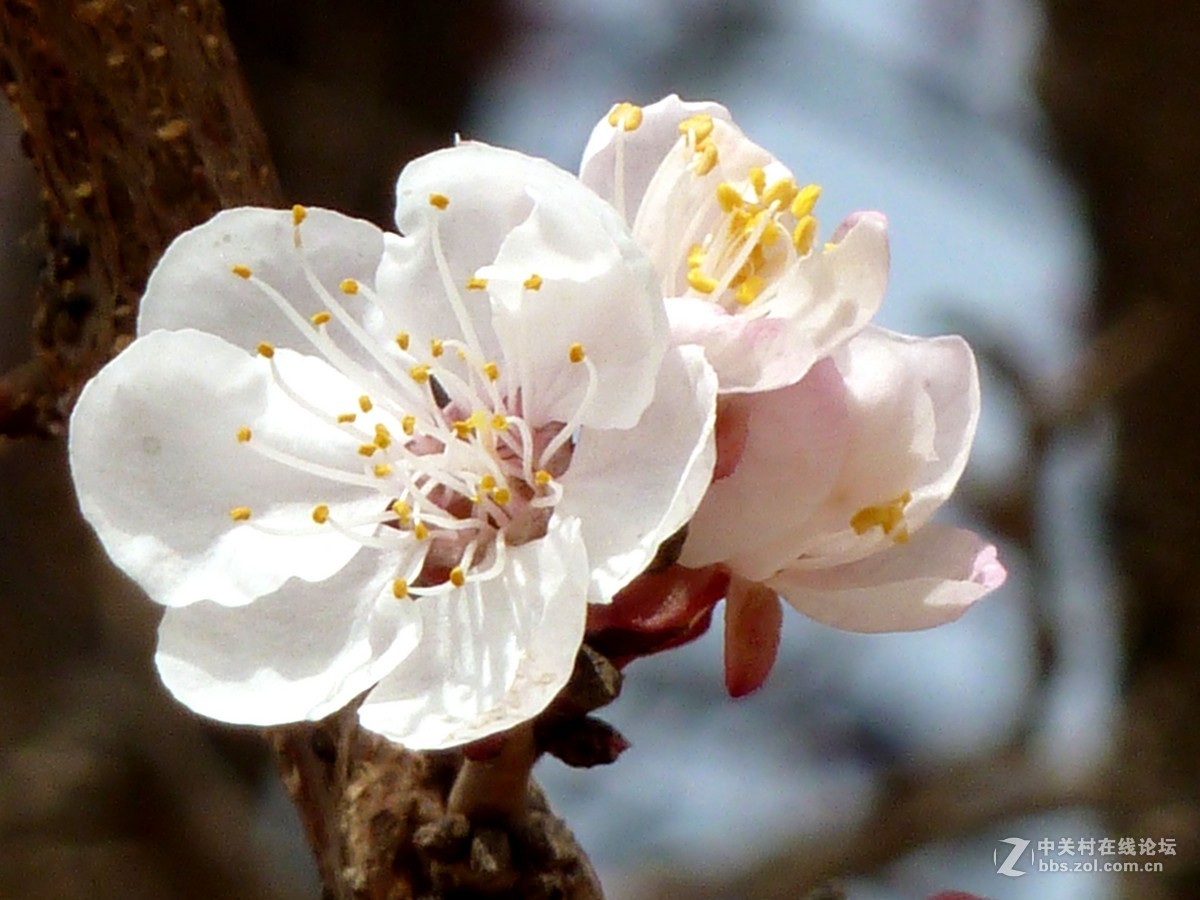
{"x":193,"y":285}
{"x":301,"y":653}
{"x":929,"y":581}
{"x":598,"y":290}
{"x":492,"y":655}
{"x":158,"y":467}
{"x":633,"y":488}
{"x":643,"y":149}
{"x":758,"y":519}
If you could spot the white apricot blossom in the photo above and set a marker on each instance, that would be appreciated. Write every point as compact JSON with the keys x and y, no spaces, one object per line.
{"x":734,"y":238}
{"x":349,"y":460}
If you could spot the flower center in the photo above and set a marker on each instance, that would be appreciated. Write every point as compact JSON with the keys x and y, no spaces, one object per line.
{"x":441,"y":435}
{"x":888,"y":516}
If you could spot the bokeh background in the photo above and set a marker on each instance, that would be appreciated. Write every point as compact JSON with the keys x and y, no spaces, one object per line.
{"x":896,"y":761}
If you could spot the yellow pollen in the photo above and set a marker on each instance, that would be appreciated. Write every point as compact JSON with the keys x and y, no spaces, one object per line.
{"x":458,"y":577}
{"x":806,"y":199}
{"x":408,"y":423}
{"x":705,"y":284}
{"x":476,"y":284}
{"x":367,"y":450}
{"x":365,"y":404}
{"x":781,"y":192}
{"x":441,"y":201}
{"x":436,"y":347}
{"x":265,"y":350}
{"x":491,"y":370}
{"x":749,"y":290}
{"x":463,"y":429}
{"x":729,"y":197}
{"x":698,"y":126}
{"x":241,"y":271}
{"x":542,"y":478}
{"x":319,"y":319}
{"x":243,"y":435}
{"x":888,"y":516}
{"x":575,"y":353}
{"x":382,"y":470}
{"x":770,"y":233}
{"x":402,"y":510}
{"x":625,"y":115}
{"x":299,"y":214}
{"x":420,"y":531}
{"x":402,"y":340}
{"x":487,"y":483}
{"x":399,"y":588}
{"x":695,"y":257}
{"x":240,"y":513}
{"x":758,"y":179}
{"x":499,"y":422}
{"x":706,"y":158}
{"x":533,"y":282}
{"x":419,"y":373}
{"x":348,"y":286}
{"x":502,"y":495}
{"x":383,"y":437}
{"x":320,"y":514}
{"x":803,"y":234}
{"x":346,"y":418}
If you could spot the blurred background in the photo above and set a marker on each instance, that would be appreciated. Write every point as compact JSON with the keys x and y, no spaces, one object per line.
{"x":1058,"y":708}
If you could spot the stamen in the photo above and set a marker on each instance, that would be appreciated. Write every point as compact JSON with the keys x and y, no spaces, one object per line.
{"x":625,"y":116}
{"x":575,"y":353}
{"x":420,"y":531}
{"x":402,"y":340}
{"x":399,"y":588}
{"x":240,"y":513}
{"x":698,"y":126}
{"x":241,"y":271}
{"x":265,"y":350}
{"x":440,"y":201}
{"x":383,"y":437}
{"x":382,"y":470}
{"x":299,"y":214}
{"x":477,"y":284}
{"x":729,"y":197}
{"x":802,"y":236}
{"x":437,"y":347}
{"x":408,"y":424}
{"x":706,"y":158}
{"x":572,"y":425}
{"x":244,"y":434}
{"x":346,"y":418}
{"x":491,"y":370}
{"x":533,"y":282}
{"x":806,"y":199}
{"x":458,"y":577}
{"x":758,"y":180}
{"x":419,"y":373}
{"x":348,"y":286}
{"x":319,"y":319}
{"x":749,"y":290}
{"x":705,"y":284}
{"x":320,"y":514}
{"x":365,"y":404}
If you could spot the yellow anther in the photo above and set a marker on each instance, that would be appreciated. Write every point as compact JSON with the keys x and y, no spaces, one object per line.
{"x":420,"y":531}
{"x":781,"y":192}
{"x":441,"y":201}
{"x":502,"y":495}
{"x":749,"y":290}
{"x":695,"y":257}
{"x":367,"y":449}
{"x":437,"y":347}
{"x":399,"y":588}
{"x":241,"y":271}
{"x":499,"y":422}
{"x":533,"y":282}
{"x":348,"y":286}
{"x":365,"y":404}
{"x":729,"y":197}
{"x":319,"y":319}
{"x":320,"y":514}
{"x":265,"y":350}
{"x":299,"y":214}
{"x":698,"y":126}
{"x":476,"y":284}
{"x":491,"y":370}
{"x":542,"y":478}
{"x":487,"y":483}
{"x":409,"y":424}
{"x":383,"y":437}
{"x":625,"y":115}
{"x":706,"y":158}
{"x":382,"y":470}
{"x":240,"y":513}
{"x":705,"y":284}
{"x":402,"y":340}
{"x":463,"y":429}
{"x":346,"y":418}
{"x":575,"y":353}
{"x":458,"y":577}
{"x":758,"y":179}
{"x":419,"y":373}
{"x":770,"y":233}
{"x":888,"y":516}
{"x":806,"y":199}
{"x":739,"y":219}
{"x":244,"y":435}
{"x":402,"y":510}
{"x":803,"y":234}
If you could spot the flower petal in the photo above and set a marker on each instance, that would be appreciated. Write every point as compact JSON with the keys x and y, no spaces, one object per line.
{"x":928,"y":581}
{"x":633,"y":488}
{"x":158,"y":466}
{"x":301,"y":653}
{"x":492,"y":655}
{"x":193,"y":285}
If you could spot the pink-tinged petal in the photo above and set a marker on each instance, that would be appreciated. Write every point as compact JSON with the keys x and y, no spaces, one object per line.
{"x":492,"y":654}
{"x":629,"y":500}
{"x":301,"y":653}
{"x":757,"y":519}
{"x":930,"y":580}
{"x":753,"y":620}
{"x":641,"y":150}
{"x":193,"y":285}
